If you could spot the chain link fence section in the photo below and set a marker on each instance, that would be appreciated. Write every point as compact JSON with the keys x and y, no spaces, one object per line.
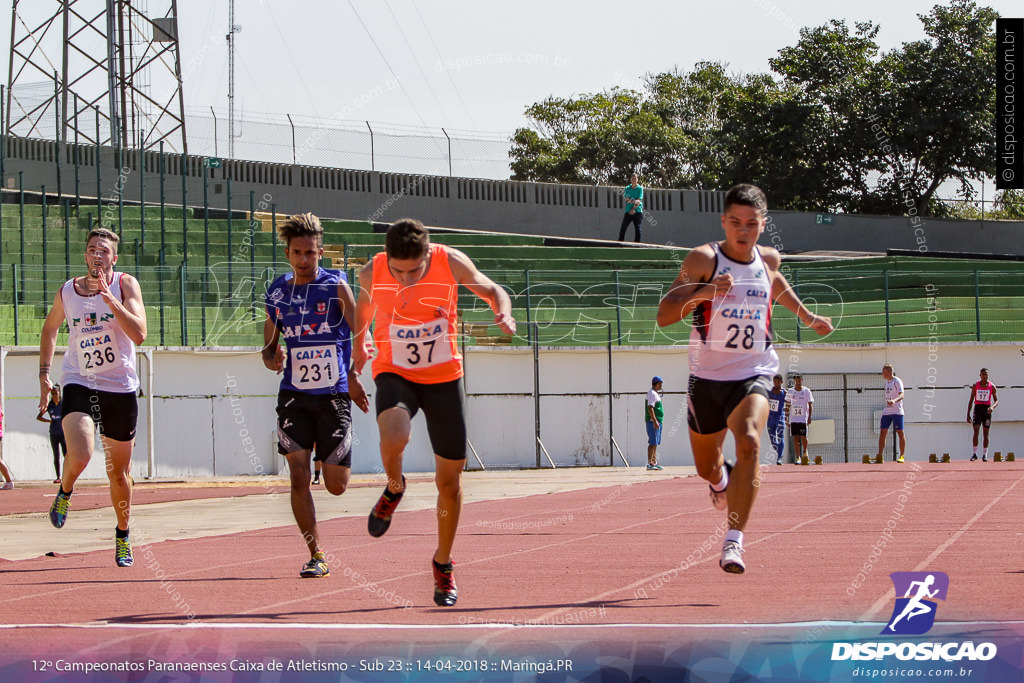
{"x":360,"y":145}
{"x":223,"y":306}
{"x":845,"y":417}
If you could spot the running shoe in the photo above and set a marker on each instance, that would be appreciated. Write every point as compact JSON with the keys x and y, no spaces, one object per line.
{"x":718,"y":498}
{"x":59,"y":509}
{"x":316,"y":568}
{"x":445,"y":592}
{"x":380,"y":515}
{"x":123,"y":552}
{"x":974,"y":457}
{"x":316,"y":480}
{"x":984,"y":458}
{"x":778,"y":461}
{"x":732,"y":558}
{"x":7,"y":486}
{"x":900,"y":459}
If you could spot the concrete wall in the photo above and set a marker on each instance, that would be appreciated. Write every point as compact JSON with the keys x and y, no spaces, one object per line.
{"x":214,"y":411}
{"x":673,"y":217}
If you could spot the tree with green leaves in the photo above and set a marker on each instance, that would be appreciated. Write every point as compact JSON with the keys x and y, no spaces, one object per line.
{"x":837,"y":126}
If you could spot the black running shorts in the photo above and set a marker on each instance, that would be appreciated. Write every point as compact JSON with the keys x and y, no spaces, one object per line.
{"x":798,"y":428}
{"x":317,"y":422}
{"x":982,"y":416}
{"x":443,"y":405}
{"x":115,"y":414}
{"x":711,"y":402}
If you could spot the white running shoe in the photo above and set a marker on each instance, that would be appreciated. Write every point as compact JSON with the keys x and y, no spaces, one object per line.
{"x":718,"y":498}
{"x":732,"y":558}
{"x":7,"y":486}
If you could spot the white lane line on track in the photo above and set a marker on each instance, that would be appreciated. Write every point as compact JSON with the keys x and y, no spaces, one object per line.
{"x":715,"y":555}
{"x":887,"y":597}
{"x":474,"y":627}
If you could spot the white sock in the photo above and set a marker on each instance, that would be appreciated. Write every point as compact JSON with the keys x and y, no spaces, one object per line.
{"x":720,"y":486}
{"x":734,"y":535}
{"x":984,"y":452}
{"x":975,"y":450}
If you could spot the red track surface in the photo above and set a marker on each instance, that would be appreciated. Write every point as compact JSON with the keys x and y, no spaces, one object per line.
{"x":601,"y":556}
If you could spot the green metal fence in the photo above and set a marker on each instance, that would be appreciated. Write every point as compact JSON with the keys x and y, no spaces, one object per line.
{"x":222,"y":305}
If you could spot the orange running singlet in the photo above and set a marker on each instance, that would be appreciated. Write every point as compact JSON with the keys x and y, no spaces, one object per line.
{"x":415,"y":330}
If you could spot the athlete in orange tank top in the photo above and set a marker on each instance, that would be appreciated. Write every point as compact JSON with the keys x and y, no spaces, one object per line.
{"x":415,"y":332}
{"x":410,"y":291}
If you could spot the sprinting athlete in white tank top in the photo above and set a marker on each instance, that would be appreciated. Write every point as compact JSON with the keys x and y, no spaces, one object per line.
{"x":731,"y":336}
{"x":100,"y":354}
{"x":106,"y":319}
{"x":730,"y":286}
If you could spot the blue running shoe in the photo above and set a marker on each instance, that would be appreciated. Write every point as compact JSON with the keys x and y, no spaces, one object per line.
{"x":316,"y":568}
{"x":123,"y":552}
{"x":59,"y":509}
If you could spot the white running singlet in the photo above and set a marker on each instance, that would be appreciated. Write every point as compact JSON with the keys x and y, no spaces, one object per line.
{"x":100,"y":355}
{"x":731,"y":337}
{"x":893,"y":388}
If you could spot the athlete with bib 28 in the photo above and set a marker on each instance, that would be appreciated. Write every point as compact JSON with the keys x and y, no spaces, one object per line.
{"x":313,"y":308}
{"x":729,"y":287}
{"x":106,"y":319}
{"x":410,"y":290}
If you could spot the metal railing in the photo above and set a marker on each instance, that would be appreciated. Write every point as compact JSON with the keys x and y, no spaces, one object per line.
{"x":222,"y":304}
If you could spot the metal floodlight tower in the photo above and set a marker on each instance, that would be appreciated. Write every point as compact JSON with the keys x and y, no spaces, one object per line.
{"x":109,"y":61}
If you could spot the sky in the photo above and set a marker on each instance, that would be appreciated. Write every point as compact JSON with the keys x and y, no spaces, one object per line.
{"x":477,"y":65}
{"x":473,"y":67}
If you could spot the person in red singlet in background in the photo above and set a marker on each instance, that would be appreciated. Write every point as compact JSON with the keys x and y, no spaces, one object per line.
{"x":983,"y":397}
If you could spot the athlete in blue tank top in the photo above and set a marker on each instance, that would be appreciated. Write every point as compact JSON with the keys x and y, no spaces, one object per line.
{"x":313,"y":309}
{"x":312,"y":323}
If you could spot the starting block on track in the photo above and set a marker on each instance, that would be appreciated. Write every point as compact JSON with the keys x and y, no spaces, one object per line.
{"x":1010,"y":457}
{"x":932,"y":457}
{"x":817,"y":460}
{"x":878,"y":460}
{"x":998,"y":457}
{"x":866,"y":460}
{"x":945,"y":457}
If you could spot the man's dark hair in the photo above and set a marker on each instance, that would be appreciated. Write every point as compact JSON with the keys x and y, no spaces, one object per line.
{"x":301,"y":225}
{"x":983,"y":370}
{"x":407,"y":239}
{"x":103,"y":233}
{"x":746,"y":195}
{"x":778,"y":377}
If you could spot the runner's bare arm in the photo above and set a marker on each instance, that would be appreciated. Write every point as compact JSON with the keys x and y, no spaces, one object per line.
{"x":356,"y":391}
{"x":466,"y":273}
{"x":130,"y":315}
{"x":364,"y":312}
{"x":47,"y":342}
{"x":273,"y":354}
{"x":784,"y":294}
{"x":692,"y":286}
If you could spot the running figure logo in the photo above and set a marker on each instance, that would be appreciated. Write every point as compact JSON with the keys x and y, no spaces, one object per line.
{"x":914,"y":613}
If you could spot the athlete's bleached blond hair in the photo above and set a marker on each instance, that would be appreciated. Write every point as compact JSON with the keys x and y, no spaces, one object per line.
{"x":301,"y":225}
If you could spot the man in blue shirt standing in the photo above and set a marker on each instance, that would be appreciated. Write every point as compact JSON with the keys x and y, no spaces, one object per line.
{"x":314,"y":310}
{"x":777,"y":418}
{"x":634,"y":195}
